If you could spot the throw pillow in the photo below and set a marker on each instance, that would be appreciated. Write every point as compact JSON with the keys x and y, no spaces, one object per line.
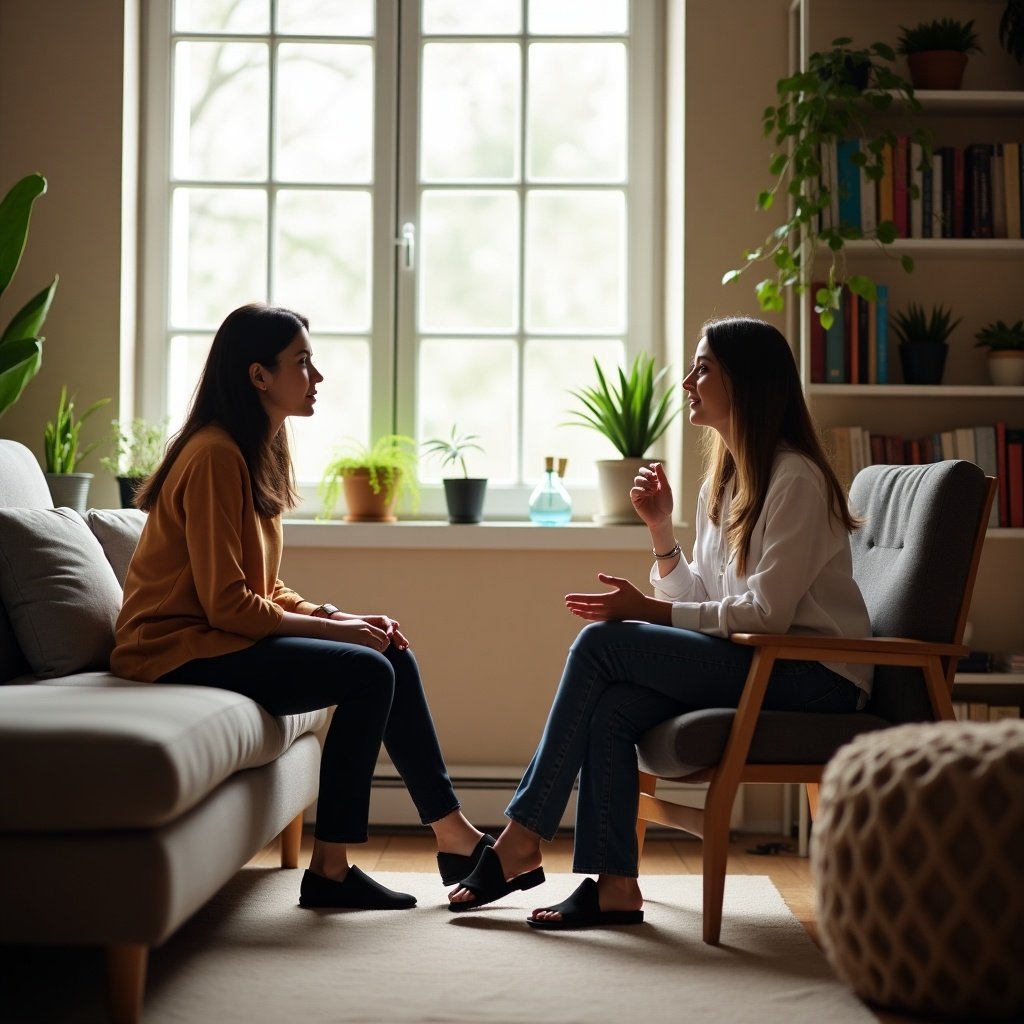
{"x":117,"y":530}
{"x":59,"y":591}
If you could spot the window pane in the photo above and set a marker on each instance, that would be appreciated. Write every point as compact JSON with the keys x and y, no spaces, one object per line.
{"x":323,"y":257}
{"x":220,"y":110}
{"x":325,"y":17}
{"x":185,"y":359}
{"x":553,"y":366}
{"x":342,"y":408}
{"x":579,"y":17}
{"x":218,"y":253}
{"x":469,"y":264}
{"x":325,"y":112}
{"x":577,"y":123}
{"x":470,"y":126}
{"x":222,"y":15}
{"x":490,"y":17}
{"x":576,"y":261}
{"x":471,"y":383}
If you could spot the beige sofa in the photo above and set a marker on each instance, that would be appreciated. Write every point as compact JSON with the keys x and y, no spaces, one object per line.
{"x":123,"y":806}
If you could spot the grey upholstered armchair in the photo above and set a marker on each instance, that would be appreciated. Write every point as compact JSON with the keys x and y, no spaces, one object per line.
{"x":915,"y":559}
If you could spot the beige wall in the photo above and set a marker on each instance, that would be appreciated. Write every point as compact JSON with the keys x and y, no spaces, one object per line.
{"x":491,"y":635}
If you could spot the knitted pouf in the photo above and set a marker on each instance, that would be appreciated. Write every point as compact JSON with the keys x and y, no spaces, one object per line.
{"x":918,"y":857}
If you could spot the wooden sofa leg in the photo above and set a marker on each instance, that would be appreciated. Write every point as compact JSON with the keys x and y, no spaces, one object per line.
{"x":126,"y":982}
{"x":291,"y":841}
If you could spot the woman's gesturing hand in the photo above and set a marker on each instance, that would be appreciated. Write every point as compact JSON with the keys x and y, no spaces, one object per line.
{"x":621,"y":603}
{"x":651,"y":495}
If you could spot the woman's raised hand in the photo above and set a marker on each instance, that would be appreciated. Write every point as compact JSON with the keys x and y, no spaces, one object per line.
{"x":651,"y":495}
{"x":621,"y":603}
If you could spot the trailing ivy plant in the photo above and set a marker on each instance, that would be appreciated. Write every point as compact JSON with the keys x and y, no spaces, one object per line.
{"x":837,"y":97}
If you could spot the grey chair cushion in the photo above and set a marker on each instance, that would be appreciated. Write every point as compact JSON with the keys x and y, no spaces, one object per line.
{"x":118,"y":531}
{"x":58,"y":589}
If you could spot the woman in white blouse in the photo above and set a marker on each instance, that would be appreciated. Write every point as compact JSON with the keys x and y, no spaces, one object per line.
{"x":772,"y":555}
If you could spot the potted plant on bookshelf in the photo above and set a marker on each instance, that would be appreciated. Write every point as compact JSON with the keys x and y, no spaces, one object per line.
{"x":373,"y":479}
{"x":21,"y":347}
{"x":1005,"y":344}
{"x":937,"y":52}
{"x":834,"y":99}
{"x":138,"y":447}
{"x":632,"y":415}
{"x":464,"y":495}
{"x":68,"y":487}
{"x":924,"y":338}
{"x":1011,"y":29}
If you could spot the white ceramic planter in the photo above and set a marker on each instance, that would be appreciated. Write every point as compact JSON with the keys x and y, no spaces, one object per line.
{"x":615,"y":478}
{"x":69,"y":490}
{"x":1006,"y":367}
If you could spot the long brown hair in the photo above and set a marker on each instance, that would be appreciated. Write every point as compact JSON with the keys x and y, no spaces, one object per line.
{"x":256,"y":333}
{"x":767,"y":411}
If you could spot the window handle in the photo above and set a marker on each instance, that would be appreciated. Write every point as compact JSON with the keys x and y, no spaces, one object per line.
{"x":408,"y":244}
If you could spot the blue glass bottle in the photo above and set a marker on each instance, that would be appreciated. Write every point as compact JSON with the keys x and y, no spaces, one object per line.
{"x":550,"y":504}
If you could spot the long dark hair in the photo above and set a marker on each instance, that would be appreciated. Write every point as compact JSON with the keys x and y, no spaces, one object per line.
{"x":256,"y":333}
{"x":767,"y":412}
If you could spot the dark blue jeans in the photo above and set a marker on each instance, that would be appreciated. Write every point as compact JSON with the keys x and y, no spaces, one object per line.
{"x":621,"y":679}
{"x":377,"y":698}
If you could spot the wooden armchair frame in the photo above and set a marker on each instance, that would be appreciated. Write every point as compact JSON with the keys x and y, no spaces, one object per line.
{"x":937,"y":662}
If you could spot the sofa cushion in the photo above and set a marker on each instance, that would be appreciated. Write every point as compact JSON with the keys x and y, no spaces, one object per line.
{"x":118,"y":531}
{"x":103,"y":753}
{"x":59,"y":590}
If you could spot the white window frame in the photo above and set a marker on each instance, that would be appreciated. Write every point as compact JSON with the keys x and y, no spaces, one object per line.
{"x":395,"y":190}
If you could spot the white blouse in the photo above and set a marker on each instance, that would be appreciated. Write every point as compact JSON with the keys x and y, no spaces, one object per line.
{"x":799,"y":575}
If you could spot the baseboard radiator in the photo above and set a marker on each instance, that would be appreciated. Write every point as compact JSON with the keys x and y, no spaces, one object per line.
{"x":485,"y":792}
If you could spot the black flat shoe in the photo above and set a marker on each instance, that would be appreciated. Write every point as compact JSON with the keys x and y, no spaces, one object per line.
{"x":455,"y":866}
{"x":487,"y":882}
{"x":583,"y":910}
{"x":357,"y":892}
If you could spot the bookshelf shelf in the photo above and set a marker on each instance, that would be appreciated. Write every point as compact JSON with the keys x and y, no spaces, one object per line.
{"x":912,"y":391}
{"x":989,"y":679}
{"x":940,"y":248}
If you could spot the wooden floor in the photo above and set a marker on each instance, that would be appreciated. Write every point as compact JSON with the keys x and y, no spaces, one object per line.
{"x":790,"y":873}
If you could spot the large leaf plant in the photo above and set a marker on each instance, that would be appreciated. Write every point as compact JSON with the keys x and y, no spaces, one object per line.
{"x":838,"y":96}
{"x":21,"y":344}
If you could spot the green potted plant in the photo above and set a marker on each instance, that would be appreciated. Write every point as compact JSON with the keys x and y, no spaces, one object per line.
{"x":21,"y":347}
{"x":1011,"y":29}
{"x":373,"y":479}
{"x":923,"y":338}
{"x":138,"y":447}
{"x":814,"y":110}
{"x":937,"y":51}
{"x":62,"y":452}
{"x":1005,"y":344}
{"x":464,"y":495}
{"x":633,"y":414}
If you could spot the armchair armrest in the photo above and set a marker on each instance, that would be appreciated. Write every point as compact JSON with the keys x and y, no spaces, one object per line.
{"x":864,"y":650}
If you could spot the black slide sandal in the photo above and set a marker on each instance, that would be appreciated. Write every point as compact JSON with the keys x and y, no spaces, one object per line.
{"x":583,"y":910}
{"x":487,"y":881}
{"x":454,"y":867}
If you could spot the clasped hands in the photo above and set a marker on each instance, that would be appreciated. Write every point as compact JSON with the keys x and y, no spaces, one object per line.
{"x":374,"y":631}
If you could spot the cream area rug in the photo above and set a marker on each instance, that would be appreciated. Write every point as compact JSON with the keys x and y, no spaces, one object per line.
{"x":252,"y":955}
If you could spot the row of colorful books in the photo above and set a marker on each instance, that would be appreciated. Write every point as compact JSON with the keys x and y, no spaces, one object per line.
{"x":997,"y":449}
{"x":971,"y":191}
{"x":855,"y":349}
{"x":980,"y":711}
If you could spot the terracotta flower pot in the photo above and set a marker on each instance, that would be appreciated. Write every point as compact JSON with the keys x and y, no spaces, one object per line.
{"x":937,"y":69}
{"x":1006,"y":366}
{"x":365,"y":506}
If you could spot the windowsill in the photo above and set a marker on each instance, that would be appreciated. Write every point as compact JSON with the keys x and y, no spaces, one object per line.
{"x":491,"y":536}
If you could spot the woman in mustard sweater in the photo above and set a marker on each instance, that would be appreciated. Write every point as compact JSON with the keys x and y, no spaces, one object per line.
{"x":203,"y":605}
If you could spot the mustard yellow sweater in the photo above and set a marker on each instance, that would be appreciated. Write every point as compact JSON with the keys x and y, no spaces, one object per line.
{"x":203,"y":580}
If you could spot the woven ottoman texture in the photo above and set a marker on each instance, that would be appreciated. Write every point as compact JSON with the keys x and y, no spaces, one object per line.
{"x":918,"y":858}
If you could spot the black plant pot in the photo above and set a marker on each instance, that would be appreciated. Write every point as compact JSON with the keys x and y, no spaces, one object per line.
{"x":465,"y":497}
{"x":128,"y":485}
{"x":923,"y":361}
{"x":855,"y":73}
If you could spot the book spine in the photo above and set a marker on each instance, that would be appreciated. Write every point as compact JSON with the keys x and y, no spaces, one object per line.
{"x":936,"y":225}
{"x":900,"y":161}
{"x":1011,"y":162}
{"x":849,"y":183}
{"x":985,"y":456}
{"x":868,"y":196}
{"x":885,"y":186}
{"x":958,"y":192}
{"x":998,"y":199}
{"x":835,"y":348}
{"x":1003,"y":485}
{"x":882,"y":332}
{"x":817,"y":339}
{"x":915,"y":195}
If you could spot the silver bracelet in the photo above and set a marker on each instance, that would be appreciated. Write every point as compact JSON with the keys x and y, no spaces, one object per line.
{"x":669,"y":554}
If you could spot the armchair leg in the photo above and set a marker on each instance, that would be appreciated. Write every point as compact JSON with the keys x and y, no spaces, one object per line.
{"x":126,"y":982}
{"x":291,"y":841}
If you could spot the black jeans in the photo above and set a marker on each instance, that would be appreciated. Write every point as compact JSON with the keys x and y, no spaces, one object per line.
{"x":377,"y":698}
